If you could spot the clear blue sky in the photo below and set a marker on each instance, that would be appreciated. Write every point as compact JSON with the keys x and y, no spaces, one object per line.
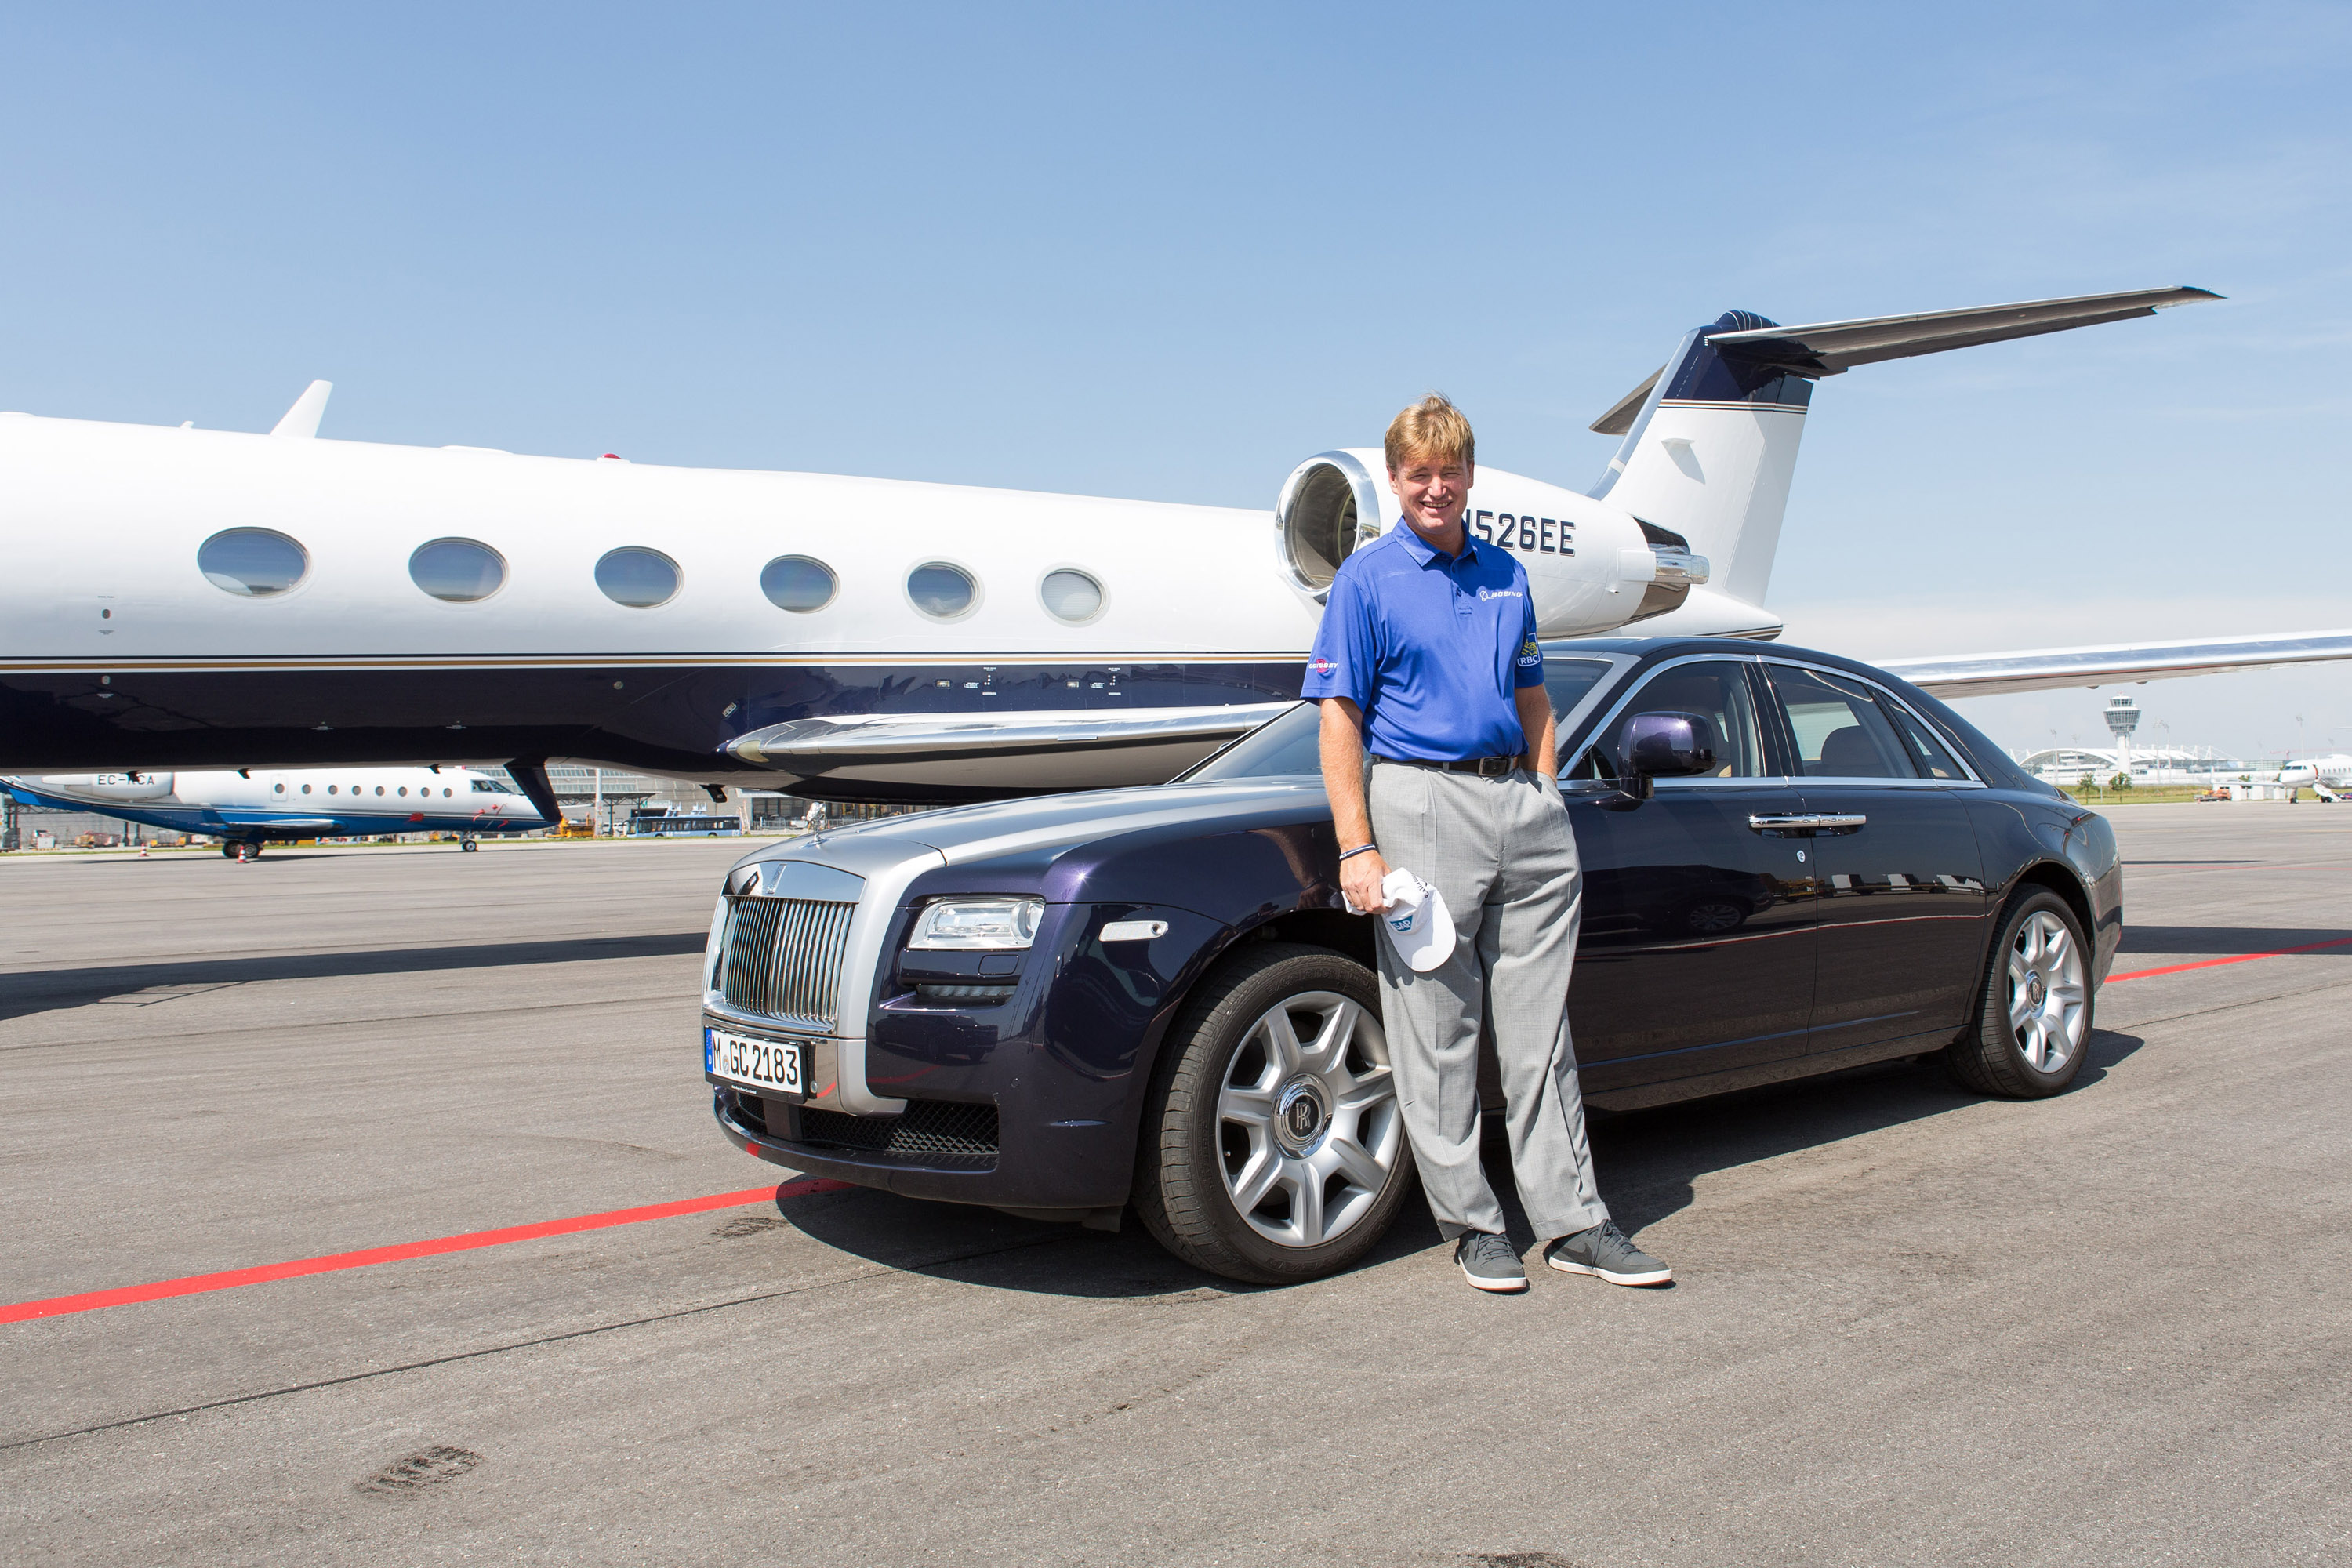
{"x":1168,"y":252}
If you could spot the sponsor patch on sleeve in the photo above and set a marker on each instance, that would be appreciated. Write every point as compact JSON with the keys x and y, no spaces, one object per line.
{"x":1323,"y":666}
{"x":1530,"y":654}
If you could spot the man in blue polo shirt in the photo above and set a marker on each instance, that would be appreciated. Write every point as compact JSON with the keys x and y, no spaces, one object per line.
{"x":1427,"y":660}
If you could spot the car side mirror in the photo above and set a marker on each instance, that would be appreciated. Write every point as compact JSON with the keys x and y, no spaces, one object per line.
{"x":1667,"y":746}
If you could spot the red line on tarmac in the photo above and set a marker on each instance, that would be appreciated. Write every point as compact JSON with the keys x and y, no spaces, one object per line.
{"x":196,"y":1284}
{"x":333,"y":1262}
{"x":2235,"y":958}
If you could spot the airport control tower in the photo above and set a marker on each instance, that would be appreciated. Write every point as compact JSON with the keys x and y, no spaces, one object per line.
{"x":2123,"y":718}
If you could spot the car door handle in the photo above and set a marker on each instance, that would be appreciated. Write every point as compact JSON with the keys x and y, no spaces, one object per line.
{"x":1812,"y":822}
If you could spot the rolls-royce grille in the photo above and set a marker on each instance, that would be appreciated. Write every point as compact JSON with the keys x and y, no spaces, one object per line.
{"x":782,"y":957}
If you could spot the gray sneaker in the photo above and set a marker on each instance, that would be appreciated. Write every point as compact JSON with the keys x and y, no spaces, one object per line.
{"x":1603,"y":1250}
{"x":1488,"y":1262}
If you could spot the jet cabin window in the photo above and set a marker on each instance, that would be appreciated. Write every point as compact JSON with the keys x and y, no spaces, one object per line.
{"x":798,"y":584}
{"x":638,"y":578}
{"x":1071,"y":595}
{"x":942,"y":591}
{"x":1715,"y":693}
{"x":1839,"y":731}
{"x":457,"y":570}
{"x":252,"y":561}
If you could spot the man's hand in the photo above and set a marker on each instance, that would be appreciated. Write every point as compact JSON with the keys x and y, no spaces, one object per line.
{"x":1342,"y":743}
{"x":1360,"y":877}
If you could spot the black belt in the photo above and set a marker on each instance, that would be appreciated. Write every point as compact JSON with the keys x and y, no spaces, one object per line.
{"x":1485,"y":767}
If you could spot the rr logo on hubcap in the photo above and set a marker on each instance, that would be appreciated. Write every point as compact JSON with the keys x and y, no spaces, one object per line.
{"x":1300,"y":1116}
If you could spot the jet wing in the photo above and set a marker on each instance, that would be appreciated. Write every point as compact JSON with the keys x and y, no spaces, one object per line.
{"x":1102,"y":747}
{"x":2045,"y":669}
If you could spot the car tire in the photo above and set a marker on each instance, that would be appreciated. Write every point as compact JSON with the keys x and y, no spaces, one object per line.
{"x":2032,"y":1026}
{"x":1300,"y":1113}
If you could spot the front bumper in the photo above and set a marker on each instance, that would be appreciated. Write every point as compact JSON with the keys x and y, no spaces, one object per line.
{"x":1026,"y":1098}
{"x":941,"y":1150}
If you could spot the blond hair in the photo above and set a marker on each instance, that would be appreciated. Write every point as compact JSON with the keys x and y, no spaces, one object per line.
{"x":1433,"y":428}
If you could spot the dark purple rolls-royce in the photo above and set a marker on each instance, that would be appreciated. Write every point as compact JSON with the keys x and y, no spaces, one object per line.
{"x":1070,"y":1006}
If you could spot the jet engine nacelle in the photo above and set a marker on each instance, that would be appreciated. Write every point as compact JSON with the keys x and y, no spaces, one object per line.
{"x":1590,"y":567}
{"x":125,"y":787}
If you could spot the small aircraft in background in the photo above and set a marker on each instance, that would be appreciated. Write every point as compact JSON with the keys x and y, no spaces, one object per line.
{"x":249,"y":807}
{"x":2328,"y":777}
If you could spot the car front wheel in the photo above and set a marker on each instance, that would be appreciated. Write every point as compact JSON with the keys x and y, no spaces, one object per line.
{"x":1273,"y":1150}
{"x":2033,"y":1016}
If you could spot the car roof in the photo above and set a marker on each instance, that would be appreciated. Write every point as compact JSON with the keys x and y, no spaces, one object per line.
{"x":1649,"y":649}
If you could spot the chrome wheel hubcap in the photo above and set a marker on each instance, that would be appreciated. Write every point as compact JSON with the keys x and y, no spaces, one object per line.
{"x":1307,"y":1127}
{"x":2046,"y":991}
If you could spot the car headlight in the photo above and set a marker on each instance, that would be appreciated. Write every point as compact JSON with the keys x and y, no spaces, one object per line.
{"x":978,"y":922}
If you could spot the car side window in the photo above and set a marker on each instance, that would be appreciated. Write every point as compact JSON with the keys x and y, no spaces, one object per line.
{"x":1567,"y":681}
{"x":1713,"y":691}
{"x":1929,"y":753}
{"x":1839,"y":729}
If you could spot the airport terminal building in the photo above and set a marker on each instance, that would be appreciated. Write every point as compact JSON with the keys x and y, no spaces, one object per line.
{"x":2148,"y":765}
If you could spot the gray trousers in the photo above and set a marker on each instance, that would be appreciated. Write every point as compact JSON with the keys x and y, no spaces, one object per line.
{"x":1501,"y":851}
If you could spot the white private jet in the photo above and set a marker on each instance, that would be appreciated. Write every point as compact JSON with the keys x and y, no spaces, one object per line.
{"x":2328,"y":777}
{"x":298,"y":601}
{"x":249,"y":807}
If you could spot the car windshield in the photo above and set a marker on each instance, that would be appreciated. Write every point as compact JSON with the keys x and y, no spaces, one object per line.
{"x":1289,"y":742}
{"x":1285,"y":744}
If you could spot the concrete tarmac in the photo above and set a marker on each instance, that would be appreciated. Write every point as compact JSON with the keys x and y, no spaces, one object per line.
{"x":1912,"y":1325}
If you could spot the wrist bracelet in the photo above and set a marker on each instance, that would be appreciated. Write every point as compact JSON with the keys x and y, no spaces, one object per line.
{"x":1358,"y":849}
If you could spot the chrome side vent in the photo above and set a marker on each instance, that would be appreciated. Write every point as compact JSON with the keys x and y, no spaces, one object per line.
{"x":782,"y":958}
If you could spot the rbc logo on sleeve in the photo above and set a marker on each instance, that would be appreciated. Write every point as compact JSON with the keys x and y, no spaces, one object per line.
{"x":1530,"y":654}
{"x":1322,"y":666}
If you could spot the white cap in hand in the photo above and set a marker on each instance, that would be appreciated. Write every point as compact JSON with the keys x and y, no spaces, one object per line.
{"x":1418,"y":920}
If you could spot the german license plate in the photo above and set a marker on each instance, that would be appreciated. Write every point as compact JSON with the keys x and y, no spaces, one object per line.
{"x":779,"y":1064}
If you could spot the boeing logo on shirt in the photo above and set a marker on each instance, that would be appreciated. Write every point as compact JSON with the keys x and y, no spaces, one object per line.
{"x":1487,"y":594}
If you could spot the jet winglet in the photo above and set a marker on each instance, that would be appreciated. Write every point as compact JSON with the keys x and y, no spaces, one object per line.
{"x":302,"y":419}
{"x":1826,"y":348}
{"x":1830,"y":348}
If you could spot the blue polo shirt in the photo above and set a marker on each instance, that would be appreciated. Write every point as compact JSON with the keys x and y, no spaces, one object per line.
{"x":1430,"y":646}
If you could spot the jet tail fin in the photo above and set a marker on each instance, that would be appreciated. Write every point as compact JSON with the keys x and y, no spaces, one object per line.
{"x":301,"y":421}
{"x":1710,"y":441}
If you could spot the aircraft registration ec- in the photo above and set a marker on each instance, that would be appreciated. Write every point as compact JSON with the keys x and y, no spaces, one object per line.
{"x":285,"y":600}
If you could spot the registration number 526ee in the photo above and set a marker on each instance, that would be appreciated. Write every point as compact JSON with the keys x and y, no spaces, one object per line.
{"x":765,"y":1063}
